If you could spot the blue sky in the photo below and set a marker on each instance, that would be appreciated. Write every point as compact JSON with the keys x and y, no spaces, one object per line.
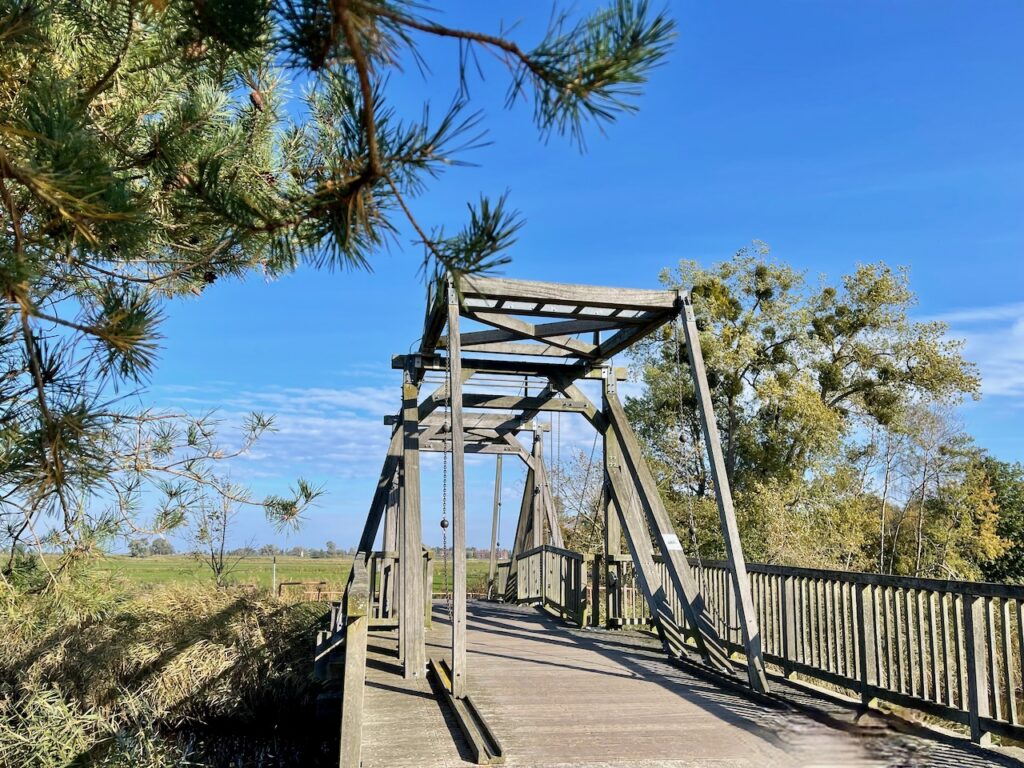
{"x":837,"y":132}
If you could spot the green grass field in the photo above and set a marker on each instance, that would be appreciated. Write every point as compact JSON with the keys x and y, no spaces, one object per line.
{"x":184,"y":569}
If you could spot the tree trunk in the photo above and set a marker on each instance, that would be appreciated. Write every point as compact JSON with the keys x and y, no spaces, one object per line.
{"x":920,"y":522}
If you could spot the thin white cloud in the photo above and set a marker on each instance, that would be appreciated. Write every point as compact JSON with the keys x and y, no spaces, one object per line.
{"x":994,"y":339}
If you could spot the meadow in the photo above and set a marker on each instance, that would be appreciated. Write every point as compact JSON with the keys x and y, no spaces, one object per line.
{"x":258,"y":571}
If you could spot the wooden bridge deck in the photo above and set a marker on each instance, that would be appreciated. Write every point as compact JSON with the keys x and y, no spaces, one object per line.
{"x":557,"y":696}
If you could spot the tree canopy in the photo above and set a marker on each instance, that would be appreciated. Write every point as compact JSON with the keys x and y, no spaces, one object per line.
{"x":149,"y":148}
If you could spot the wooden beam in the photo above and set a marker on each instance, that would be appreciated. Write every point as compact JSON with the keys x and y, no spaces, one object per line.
{"x":459,"y":676}
{"x":523,"y":402}
{"x":548,"y":501}
{"x":565,"y":293}
{"x":513,"y":328}
{"x":537,"y":502}
{"x":535,"y":350}
{"x":411,"y":620}
{"x":723,"y":496}
{"x":676,"y":565}
{"x":534,"y":368}
{"x":439,"y":396}
{"x":492,"y":567}
{"x":612,"y":525}
{"x":380,"y":494}
{"x":638,"y":541}
{"x":525,"y":519}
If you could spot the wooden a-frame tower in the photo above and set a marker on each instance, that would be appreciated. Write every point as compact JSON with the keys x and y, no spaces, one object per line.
{"x":546,"y":338}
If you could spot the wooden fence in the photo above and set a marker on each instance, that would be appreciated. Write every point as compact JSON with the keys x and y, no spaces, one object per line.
{"x":554,"y":577}
{"x":949,"y":648}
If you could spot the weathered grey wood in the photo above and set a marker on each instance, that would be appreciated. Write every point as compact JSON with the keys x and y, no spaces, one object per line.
{"x":524,"y":522}
{"x":1007,"y":654}
{"x":524,"y":348}
{"x":411,"y":626}
{"x":356,"y":610}
{"x":653,"y":508}
{"x":565,"y":294}
{"x":458,"y":489}
{"x":977,"y":667}
{"x":537,"y":503}
{"x":384,"y":484}
{"x":509,"y":328}
{"x":789,"y":624}
{"x":547,"y":500}
{"x":523,"y":402}
{"x":991,"y":654}
{"x":492,"y":566}
{"x":533,"y":368}
{"x":612,"y":527}
{"x":723,"y":496}
{"x":867,"y":642}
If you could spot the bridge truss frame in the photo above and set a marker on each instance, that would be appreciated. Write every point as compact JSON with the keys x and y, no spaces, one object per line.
{"x":532,"y":331}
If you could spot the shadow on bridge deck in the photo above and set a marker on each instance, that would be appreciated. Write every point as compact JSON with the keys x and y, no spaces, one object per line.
{"x":557,"y":696}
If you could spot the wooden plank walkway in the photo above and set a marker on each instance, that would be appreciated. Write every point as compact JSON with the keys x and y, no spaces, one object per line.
{"x":557,"y":696}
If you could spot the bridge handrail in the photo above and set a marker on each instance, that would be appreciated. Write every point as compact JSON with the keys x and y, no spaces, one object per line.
{"x":353,"y":619}
{"x":953,"y":649}
{"x":554,"y":577}
{"x":971,"y":588}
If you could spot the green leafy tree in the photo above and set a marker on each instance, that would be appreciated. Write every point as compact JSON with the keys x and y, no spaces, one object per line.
{"x":161,"y":546}
{"x":1006,"y":481}
{"x":138,"y":548}
{"x":798,"y":373}
{"x":149,"y":148}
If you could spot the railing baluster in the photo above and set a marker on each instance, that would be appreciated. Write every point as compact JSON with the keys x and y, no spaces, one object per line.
{"x":933,"y":647}
{"x":947,"y":662}
{"x":974,"y":613}
{"x":990,"y":649}
{"x":1008,"y":686}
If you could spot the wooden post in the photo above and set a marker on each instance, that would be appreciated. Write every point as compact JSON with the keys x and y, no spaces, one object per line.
{"x":459,"y":676}
{"x":356,"y":622}
{"x":977,"y":667}
{"x":639,"y":487}
{"x":411,"y":628}
{"x":612,"y":528}
{"x":389,"y":566}
{"x":428,"y":590}
{"x":586,"y":607}
{"x":595,"y":592}
{"x":522,"y":541}
{"x":789,"y":609}
{"x":495,"y":522}
{"x":723,"y":495}
{"x":867,"y":644}
{"x":537,"y":502}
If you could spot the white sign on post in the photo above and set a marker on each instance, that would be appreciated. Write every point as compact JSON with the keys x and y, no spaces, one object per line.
{"x":672,"y":543}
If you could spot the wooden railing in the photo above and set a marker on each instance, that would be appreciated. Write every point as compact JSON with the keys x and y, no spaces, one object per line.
{"x":555,"y":578}
{"x":351,"y":620}
{"x":949,"y":648}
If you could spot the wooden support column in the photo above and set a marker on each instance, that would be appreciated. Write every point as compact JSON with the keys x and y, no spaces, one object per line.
{"x":495,"y":523}
{"x":979,"y":707}
{"x":547,"y":500}
{"x":612,"y":529}
{"x":538,"y":500}
{"x":390,"y":546}
{"x":459,"y":676}
{"x":638,"y":478}
{"x":411,"y":624}
{"x":723,"y":495}
{"x":525,"y":519}
{"x":380,"y":495}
